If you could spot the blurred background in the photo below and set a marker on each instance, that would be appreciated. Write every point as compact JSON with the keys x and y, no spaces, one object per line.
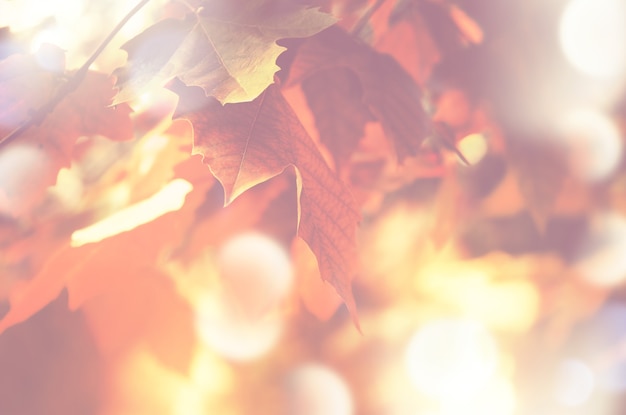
{"x":489,"y":288}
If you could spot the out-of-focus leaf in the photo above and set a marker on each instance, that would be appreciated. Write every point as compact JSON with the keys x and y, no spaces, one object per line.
{"x":30,"y":163}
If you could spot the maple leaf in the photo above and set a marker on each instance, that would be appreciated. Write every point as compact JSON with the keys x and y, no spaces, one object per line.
{"x":142,"y":305}
{"x":389,"y":92}
{"x":248,"y":143}
{"x":215,"y":223}
{"x":318,"y":297}
{"x":340,"y":114}
{"x":31,"y":162}
{"x":227,"y":48}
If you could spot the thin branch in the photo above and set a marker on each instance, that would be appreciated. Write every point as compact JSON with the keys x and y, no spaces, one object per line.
{"x":360,"y":25}
{"x":444,"y":136}
{"x":38,"y":116}
{"x":187,"y":5}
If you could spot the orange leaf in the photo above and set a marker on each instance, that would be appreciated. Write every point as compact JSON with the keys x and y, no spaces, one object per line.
{"x":146,"y":307}
{"x":87,"y":269}
{"x":389,"y":92}
{"x":30,"y":163}
{"x":401,"y":39}
{"x":335,"y":97}
{"x":227,"y":48}
{"x":318,"y":297}
{"x":248,"y":143}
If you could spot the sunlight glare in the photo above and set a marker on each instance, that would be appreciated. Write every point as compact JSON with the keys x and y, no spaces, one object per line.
{"x":142,"y":385}
{"x":602,"y":261}
{"x":52,"y":35}
{"x":21,"y":167}
{"x":169,"y":199}
{"x":139,"y":21}
{"x":61,"y":17}
{"x":451,"y":359}
{"x":67,"y":10}
{"x":68,"y":189}
{"x":592,"y":34}
{"x":209,"y":379}
{"x":256,"y":272}
{"x":477,"y":290}
{"x":511,"y":306}
{"x":318,"y":390}
{"x":496,"y":398}
{"x":144,"y":101}
{"x":473,"y":147}
{"x":222,"y":328}
{"x":210,"y":373}
{"x":575,"y":382}
{"x":150,"y":149}
{"x":244,"y":320}
{"x":394,"y":240}
{"x":21,"y":15}
{"x":593,"y":143}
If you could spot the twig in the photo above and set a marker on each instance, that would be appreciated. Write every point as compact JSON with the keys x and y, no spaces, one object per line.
{"x":443,"y":135}
{"x":39,"y":115}
{"x":187,"y":5}
{"x":360,"y":24}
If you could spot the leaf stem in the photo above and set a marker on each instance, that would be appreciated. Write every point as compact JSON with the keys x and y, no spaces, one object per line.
{"x":39,"y":115}
{"x":360,"y":24}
